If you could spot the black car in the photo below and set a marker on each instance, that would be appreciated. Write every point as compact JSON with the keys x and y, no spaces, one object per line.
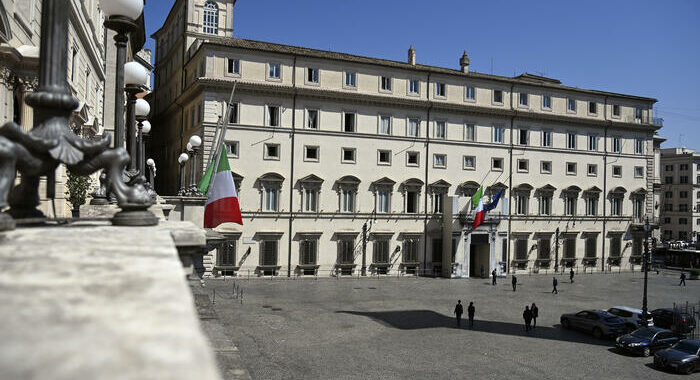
{"x":646,"y":340}
{"x":673,"y":320}
{"x":683,"y":357}
{"x":598,"y":322}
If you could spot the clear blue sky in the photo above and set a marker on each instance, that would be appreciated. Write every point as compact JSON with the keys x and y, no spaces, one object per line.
{"x":639,"y":47}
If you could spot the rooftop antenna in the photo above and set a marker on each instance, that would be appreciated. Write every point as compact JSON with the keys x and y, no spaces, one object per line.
{"x":491,"y":65}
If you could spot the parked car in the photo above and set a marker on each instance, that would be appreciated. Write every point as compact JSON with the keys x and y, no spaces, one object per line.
{"x":632,"y":317}
{"x":598,"y":322}
{"x":646,"y":340}
{"x":683,"y":357}
{"x":674,"y":320}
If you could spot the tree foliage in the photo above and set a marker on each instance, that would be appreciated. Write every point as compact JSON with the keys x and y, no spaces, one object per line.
{"x":78,"y":186}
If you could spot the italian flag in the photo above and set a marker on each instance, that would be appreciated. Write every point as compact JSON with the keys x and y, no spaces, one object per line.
{"x":222,"y":199}
{"x":480,"y":212}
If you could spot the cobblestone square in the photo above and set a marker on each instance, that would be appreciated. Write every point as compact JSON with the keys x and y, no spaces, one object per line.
{"x":400,"y":328}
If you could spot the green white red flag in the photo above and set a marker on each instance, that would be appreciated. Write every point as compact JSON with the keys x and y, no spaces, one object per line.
{"x":480,"y":212}
{"x":222,"y":199}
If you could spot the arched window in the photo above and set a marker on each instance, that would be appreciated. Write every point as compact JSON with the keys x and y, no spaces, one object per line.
{"x":211,"y":18}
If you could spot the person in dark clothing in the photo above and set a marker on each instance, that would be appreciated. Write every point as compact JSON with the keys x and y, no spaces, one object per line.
{"x":470,"y":314}
{"x":554,"y":285}
{"x":458,"y":312}
{"x":571,"y":275}
{"x":483,"y":272}
{"x":527,"y":316}
{"x":682,"y":279}
{"x":535,"y":312}
{"x":514,"y":281}
{"x":493,"y":276}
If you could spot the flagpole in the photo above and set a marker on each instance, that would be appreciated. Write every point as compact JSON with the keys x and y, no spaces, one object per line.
{"x":221,"y":126}
{"x":215,"y":151}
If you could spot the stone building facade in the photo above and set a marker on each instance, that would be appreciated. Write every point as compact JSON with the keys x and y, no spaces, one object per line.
{"x":323,"y":144}
{"x":680,"y":212}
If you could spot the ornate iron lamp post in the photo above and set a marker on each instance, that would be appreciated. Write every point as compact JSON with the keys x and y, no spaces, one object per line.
{"x":182,"y":160}
{"x":120,"y":17}
{"x":645,"y":310}
{"x":51,"y":142}
{"x":152,"y":172}
{"x":143,"y":131}
{"x":556,"y":251}
{"x":194,"y":143}
{"x":135,"y":77}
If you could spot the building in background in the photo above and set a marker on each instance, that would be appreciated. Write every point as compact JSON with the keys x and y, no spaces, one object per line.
{"x":323,"y":144}
{"x":680,"y":213}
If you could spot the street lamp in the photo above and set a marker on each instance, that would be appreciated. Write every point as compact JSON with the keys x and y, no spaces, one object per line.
{"x":182,"y":160}
{"x":194,"y":143}
{"x":556,"y":251}
{"x":135,"y":77}
{"x":645,"y":310}
{"x":120,"y":16}
{"x":152,"y":172}
{"x":144,"y":130}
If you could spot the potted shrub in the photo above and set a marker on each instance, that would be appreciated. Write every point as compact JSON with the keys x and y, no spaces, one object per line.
{"x":77,"y":192}
{"x":694,"y":274}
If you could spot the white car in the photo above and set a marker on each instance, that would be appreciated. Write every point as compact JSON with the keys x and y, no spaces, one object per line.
{"x":631,"y":316}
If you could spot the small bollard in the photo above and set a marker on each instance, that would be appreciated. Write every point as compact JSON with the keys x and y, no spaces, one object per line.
{"x":241,"y":296}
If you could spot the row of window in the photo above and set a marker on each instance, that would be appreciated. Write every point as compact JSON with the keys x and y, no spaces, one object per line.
{"x":385,"y":127}
{"x":348,"y":250}
{"x":683,"y":221}
{"x":545,"y":246}
{"x":681,"y":194}
{"x":683,"y":207}
{"x":522,"y":204}
{"x":684,"y":179}
{"x":682,"y":235}
{"x":385,"y":85}
{"x":312,"y":153}
{"x":681,"y":167}
{"x":384,"y":194}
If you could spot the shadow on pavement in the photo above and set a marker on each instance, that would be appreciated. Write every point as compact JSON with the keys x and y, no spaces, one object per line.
{"x":426,"y":319}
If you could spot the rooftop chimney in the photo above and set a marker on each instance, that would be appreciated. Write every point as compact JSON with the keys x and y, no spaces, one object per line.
{"x":464,"y":62}
{"x":412,"y":55}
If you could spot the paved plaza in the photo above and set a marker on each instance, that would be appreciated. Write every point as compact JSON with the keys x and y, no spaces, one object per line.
{"x":400,"y":328}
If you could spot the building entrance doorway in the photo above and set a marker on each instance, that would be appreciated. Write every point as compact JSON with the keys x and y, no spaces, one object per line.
{"x":479,"y":256}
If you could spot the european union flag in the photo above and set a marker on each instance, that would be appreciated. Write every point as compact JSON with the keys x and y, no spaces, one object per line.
{"x":494,"y":202}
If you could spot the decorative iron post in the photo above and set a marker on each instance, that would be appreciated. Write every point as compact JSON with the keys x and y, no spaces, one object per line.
{"x":131,"y":145}
{"x":556,"y":251}
{"x":182,"y":160}
{"x":645,"y":310}
{"x":122,"y":26}
{"x":193,"y":191}
{"x":364,"y":249}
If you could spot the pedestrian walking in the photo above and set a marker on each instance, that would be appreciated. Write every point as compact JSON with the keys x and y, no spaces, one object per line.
{"x":458,"y":312}
{"x":682,"y":279}
{"x":514,"y":281}
{"x":493,"y":276}
{"x":470,"y":313}
{"x":535,"y":313}
{"x":554,"y":285}
{"x":571,"y":275}
{"x":527,"y":316}
{"x":483,"y":272}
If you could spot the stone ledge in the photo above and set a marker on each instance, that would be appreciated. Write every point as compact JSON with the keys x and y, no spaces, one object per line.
{"x":94,"y":301}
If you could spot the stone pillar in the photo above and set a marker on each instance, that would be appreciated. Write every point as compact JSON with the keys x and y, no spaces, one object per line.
{"x":446,"y":235}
